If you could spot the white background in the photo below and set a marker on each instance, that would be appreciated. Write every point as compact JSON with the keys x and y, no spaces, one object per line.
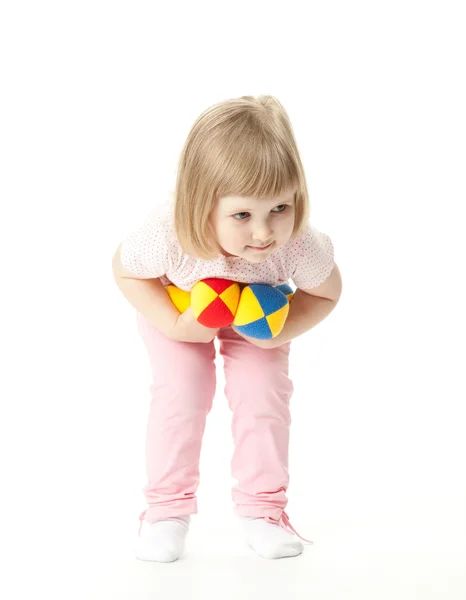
{"x":97,"y":99}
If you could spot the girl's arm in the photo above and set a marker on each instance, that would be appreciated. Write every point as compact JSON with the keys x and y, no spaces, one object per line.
{"x":149,"y":297}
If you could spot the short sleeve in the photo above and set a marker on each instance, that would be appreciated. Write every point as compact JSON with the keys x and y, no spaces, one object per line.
{"x":145,"y":251}
{"x":314,"y":259}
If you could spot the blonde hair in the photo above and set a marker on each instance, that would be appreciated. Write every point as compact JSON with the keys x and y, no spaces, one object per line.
{"x":243,"y":147}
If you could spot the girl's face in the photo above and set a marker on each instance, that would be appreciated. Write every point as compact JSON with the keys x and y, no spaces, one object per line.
{"x":243,"y":225}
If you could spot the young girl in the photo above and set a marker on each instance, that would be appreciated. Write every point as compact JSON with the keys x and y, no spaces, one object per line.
{"x":239,"y":212}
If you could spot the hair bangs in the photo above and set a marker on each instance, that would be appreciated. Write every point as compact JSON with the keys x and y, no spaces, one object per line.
{"x":256,"y":168}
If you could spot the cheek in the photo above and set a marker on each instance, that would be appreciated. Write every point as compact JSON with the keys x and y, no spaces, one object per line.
{"x":228,"y":233}
{"x":287,"y":225}
{"x":234,"y":230}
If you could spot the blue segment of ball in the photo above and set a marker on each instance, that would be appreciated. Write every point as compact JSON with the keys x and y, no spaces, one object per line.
{"x":285,"y":288}
{"x":270,"y":298}
{"x":258,"y":330}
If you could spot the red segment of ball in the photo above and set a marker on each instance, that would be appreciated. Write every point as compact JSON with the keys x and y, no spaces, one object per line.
{"x":218,"y":285}
{"x":217,"y":314}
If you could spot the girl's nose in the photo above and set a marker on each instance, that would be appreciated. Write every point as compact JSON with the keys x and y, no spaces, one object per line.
{"x":262,"y":234}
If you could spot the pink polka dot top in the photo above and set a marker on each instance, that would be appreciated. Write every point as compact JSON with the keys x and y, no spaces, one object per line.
{"x":152,"y":250}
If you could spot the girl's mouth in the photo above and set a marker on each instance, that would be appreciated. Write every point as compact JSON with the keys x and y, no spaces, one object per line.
{"x":259,"y":249}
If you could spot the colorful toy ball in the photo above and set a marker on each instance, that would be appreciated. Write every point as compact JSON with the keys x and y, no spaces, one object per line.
{"x":262,"y":311}
{"x":215,"y":301}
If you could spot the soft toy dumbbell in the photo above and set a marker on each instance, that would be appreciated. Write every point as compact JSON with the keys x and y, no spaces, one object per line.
{"x":259,"y":311}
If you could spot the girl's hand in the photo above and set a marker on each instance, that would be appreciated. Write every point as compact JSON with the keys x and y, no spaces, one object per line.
{"x":188,"y":329}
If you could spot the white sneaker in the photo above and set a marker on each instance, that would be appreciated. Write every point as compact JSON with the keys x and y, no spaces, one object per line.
{"x":269,"y":540}
{"x":162,"y":541}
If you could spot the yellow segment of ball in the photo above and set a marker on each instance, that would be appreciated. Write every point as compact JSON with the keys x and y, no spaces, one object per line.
{"x":180,"y":298}
{"x":277,"y":319}
{"x":231,"y":297}
{"x":201,"y":296}
{"x":249,"y":308}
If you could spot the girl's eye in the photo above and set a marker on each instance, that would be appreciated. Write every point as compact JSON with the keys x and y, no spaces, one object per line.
{"x":244,"y":215}
{"x":239,"y":214}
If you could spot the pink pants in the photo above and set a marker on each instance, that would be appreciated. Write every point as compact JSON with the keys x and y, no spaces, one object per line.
{"x":258,"y":390}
